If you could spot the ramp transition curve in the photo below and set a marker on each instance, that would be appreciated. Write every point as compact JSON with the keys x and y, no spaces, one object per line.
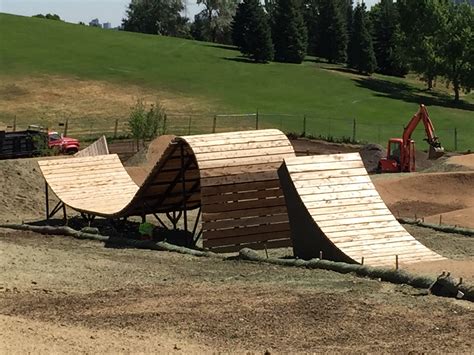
{"x":334,"y":209}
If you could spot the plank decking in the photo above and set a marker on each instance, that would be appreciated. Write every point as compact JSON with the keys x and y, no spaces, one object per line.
{"x":335,"y":210}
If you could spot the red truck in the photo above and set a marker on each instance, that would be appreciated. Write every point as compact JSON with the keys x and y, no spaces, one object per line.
{"x":33,"y":142}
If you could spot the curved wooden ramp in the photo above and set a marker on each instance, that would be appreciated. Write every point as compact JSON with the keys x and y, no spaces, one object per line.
{"x":231,"y":176}
{"x":335,"y":209}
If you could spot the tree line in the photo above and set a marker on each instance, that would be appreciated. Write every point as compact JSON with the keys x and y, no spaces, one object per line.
{"x":434,"y":38}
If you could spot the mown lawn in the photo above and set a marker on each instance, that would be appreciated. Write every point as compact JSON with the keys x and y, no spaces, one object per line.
{"x":381,"y":105}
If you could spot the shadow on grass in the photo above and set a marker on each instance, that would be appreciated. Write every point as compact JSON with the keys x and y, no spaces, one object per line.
{"x":241,"y":60}
{"x":221,"y":46}
{"x":344,"y":70}
{"x":408,"y":93}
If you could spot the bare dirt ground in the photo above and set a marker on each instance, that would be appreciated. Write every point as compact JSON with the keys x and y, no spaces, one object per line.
{"x":63,"y":295}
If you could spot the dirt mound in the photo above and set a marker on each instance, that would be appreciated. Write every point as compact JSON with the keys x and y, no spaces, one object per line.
{"x":431,"y":194}
{"x":22,"y":187}
{"x":465,"y":161}
{"x":371,"y":155}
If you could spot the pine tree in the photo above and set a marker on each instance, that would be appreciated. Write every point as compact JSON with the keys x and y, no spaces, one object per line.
{"x":310,"y":16}
{"x":361,"y":50}
{"x":289,"y":32}
{"x":251,"y":31}
{"x":384,"y":17}
{"x":332,"y":31}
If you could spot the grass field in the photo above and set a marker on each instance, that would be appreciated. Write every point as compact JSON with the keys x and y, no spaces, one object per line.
{"x":216,"y":79}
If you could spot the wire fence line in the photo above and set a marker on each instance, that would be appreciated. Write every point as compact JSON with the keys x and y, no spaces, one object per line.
{"x":341,"y":130}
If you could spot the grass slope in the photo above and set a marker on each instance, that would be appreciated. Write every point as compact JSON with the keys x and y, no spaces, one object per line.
{"x":382,"y":105}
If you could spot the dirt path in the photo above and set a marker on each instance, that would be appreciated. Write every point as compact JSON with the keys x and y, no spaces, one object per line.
{"x":60,"y":294}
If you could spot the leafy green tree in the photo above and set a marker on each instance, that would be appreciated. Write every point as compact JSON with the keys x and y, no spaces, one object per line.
{"x":457,"y":48}
{"x":421,"y":25}
{"x":332,"y":31}
{"x":161,"y":17}
{"x":217,"y":16}
{"x":49,"y":17}
{"x":384,"y":16}
{"x":251,"y":31}
{"x":289,"y":32}
{"x":361,"y":51}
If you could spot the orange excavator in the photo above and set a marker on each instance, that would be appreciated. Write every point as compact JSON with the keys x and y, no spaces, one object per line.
{"x":401,"y":151}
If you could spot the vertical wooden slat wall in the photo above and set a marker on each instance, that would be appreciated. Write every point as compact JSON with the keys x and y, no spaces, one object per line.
{"x":241,"y":198}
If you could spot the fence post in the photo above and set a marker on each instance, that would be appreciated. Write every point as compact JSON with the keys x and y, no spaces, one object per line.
{"x":304,"y":126}
{"x":164,"y":124}
{"x":189,"y":125}
{"x":14,"y":123}
{"x":353,"y":130}
{"x":256,"y":120}
{"x":214,"y":124}
{"x":455,"y":139}
{"x":66,"y":126}
{"x":116,"y":128}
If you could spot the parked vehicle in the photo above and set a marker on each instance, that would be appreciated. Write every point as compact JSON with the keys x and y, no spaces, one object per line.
{"x":35,"y":142}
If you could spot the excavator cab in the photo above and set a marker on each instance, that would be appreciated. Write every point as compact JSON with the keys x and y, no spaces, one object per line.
{"x":400,"y":157}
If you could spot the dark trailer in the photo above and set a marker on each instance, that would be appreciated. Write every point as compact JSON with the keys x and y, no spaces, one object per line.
{"x":21,"y":144}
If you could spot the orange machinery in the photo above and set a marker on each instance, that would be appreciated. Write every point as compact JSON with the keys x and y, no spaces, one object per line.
{"x":401,"y":151}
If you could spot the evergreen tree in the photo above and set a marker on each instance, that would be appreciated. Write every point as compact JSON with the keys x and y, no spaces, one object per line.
{"x":289,"y":32}
{"x":384,"y":18}
{"x":332,"y":31}
{"x":361,"y":51}
{"x":310,"y":16}
{"x":251,"y":31}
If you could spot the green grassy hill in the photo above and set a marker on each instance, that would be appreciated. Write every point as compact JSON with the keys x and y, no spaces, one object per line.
{"x":217,"y":74}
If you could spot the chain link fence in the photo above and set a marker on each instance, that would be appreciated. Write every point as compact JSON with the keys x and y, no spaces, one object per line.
{"x":340,"y":130}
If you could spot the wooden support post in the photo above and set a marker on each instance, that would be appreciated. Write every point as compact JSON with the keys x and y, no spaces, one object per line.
{"x":14,"y":123}
{"x":256,"y":120}
{"x":362,"y":261}
{"x":196,"y":224}
{"x":183,"y":186}
{"x":320,"y":255}
{"x":116,"y":128}
{"x":66,"y":126}
{"x":189,"y":125}
{"x":214,"y":124}
{"x":64,"y":214}
{"x":266,"y":250}
{"x":396,"y":262}
{"x":46,"y":193}
{"x":455,"y":139}
{"x":440,"y":219}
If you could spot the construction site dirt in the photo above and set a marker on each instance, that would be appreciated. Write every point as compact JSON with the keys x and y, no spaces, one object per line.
{"x":59,"y":294}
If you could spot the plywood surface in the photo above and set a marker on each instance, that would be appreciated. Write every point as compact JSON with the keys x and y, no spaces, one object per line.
{"x":346,"y":212}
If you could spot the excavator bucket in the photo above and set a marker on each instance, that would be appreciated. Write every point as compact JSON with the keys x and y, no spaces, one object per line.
{"x":435,"y":152}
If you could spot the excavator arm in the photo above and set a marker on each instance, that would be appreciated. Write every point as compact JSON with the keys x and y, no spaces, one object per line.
{"x":436,"y":150}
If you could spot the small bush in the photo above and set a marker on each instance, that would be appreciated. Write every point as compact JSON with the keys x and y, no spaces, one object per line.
{"x":146,"y":123}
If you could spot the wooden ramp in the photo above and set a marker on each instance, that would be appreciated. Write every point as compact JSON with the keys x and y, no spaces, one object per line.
{"x":232,"y":177}
{"x":334,"y":209}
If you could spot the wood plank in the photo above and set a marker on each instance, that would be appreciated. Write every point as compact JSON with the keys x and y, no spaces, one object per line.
{"x":310,"y":159}
{"x":355,"y":239}
{"x":240,"y":178}
{"x":333,"y":181}
{"x":244,"y":222}
{"x":334,"y":235}
{"x":316,"y":212}
{"x":239,"y":196}
{"x":199,"y":150}
{"x":355,"y":221}
{"x":334,"y":188}
{"x":61,"y":161}
{"x":316,"y":167}
{"x":344,"y":202}
{"x":265,"y":211}
{"x":244,"y":162}
{"x":244,"y":205}
{"x":279,"y":227}
{"x":360,"y":226}
{"x":337,"y":217}
{"x":241,"y":187}
{"x":339,"y":196}
{"x":204,"y":138}
{"x":234,"y":154}
{"x":325,"y":174}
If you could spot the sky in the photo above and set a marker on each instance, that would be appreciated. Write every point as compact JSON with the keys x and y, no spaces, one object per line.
{"x":85,"y":10}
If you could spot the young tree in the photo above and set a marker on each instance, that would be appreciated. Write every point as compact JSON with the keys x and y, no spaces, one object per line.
{"x":251,"y":31}
{"x":161,"y":17}
{"x":289,"y":32}
{"x":146,"y":124}
{"x":384,"y":17}
{"x":457,"y":48}
{"x":361,"y":51}
{"x":332,"y":31}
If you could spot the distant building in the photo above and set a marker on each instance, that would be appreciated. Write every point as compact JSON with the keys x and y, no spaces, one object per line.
{"x":107,"y":25}
{"x":95,"y":23}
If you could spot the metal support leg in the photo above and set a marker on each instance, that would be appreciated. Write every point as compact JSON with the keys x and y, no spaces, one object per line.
{"x":46,"y":192}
